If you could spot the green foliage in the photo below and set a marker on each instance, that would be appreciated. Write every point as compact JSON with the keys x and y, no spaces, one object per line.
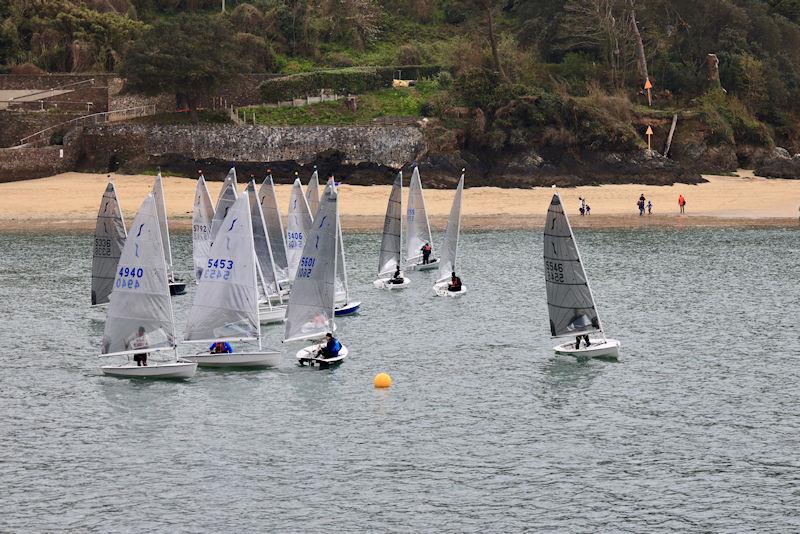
{"x":728,"y":121}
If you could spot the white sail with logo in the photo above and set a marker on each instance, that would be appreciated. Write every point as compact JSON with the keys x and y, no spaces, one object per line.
{"x":447,"y":261}
{"x":263,"y":250}
{"x":225,"y":306}
{"x":109,"y":239}
{"x":417,"y":226}
{"x":389,"y":257}
{"x":570,"y":302}
{"x":312,"y":193}
{"x":140,"y":300}
{"x":202,"y":215}
{"x":161,"y":210}
{"x":297,"y":225}
{"x":230,"y":179}
{"x":310,"y":313}
{"x":274,"y":226}
{"x":227,"y":197}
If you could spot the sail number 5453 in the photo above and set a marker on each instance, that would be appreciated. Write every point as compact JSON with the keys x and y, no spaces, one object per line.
{"x":554,"y":271}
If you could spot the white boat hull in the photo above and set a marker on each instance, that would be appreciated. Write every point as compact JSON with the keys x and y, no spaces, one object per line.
{"x":598,"y":348}
{"x":440,"y":290}
{"x":264,"y":358}
{"x":433,"y":264}
{"x":162,"y":370}
{"x":383,"y":283}
{"x":347,"y":308}
{"x":308,"y":355}
{"x":267,"y":315}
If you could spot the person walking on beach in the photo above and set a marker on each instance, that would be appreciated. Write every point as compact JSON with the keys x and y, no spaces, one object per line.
{"x":681,"y":203}
{"x":588,"y":209}
{"x":649,"y":208}
{"x":583,"y":205}
{"x":641,"y":204}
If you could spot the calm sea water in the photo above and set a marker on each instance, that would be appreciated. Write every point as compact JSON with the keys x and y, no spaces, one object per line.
{"x":695,"y":429}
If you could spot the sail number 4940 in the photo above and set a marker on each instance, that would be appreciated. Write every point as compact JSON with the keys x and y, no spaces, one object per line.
{"x":129,"y":277}
{"x":306,"y":267}
{"x":554,"y":271}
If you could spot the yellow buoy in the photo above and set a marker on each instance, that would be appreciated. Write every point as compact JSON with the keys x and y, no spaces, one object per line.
{"x":382,"y":380}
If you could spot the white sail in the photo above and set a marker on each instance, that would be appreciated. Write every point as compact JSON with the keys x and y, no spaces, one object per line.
{"x":225,"y":304}
{"x":161,"y":210}
{"x":341,"y":293}
{"x":266,"y":275}
{"x":297,"y":225}
{"x":312,"y":193}
{"x":274,"y":226}
{"x":140,"y":298}
{"x":389,"y":257}
{"x":202,"y":215}
{"x":310,"y":311}
{"x":109,"y":239}
{"x":227,"y":197}
{"x":230,"y":179}
{"x":447,"y":262}
{"x":569,"y":298}
{"x":417,"y":226}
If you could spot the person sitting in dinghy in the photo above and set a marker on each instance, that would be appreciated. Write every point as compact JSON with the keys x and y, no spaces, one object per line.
{"x":220,"y":347}
{"x":331,"y":348}
{"x":426,"y":253}
{"x":397,"y":277}
{"x":141,"y":341}
{"x":455,"y":283}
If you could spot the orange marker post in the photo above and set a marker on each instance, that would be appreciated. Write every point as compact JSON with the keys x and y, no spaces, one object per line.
{"x":647,"y":87}
{"x":649,"y":134}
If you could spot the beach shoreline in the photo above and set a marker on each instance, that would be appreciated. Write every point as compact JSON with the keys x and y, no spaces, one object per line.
{"x":69,"y":202}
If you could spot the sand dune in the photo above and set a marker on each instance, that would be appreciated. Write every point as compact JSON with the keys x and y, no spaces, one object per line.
{"x":70,"y":201}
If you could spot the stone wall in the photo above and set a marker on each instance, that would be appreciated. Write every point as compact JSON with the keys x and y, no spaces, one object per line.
{"x":140,"y":143}
{"x":25,"y":163}
{"x":14,"y":125}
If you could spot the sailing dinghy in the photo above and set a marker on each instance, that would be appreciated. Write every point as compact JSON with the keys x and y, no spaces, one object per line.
{"x":310,"y":314}
{"x":569,"y":298}
{"x":139,"y":319}
{"x":176,"y":285}
{"x":312,"y":192}
{"x":389,"y":258}
{"x":202,"y":215}
{"x":225,"y":307}
{"x":447,"y":263}
{"x":274,"y":226}
{"x":297,"y":224}
{"x":418,"y":227}
{"x":109,"y":239}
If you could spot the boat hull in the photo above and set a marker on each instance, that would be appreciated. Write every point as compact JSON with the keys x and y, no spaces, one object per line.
{"x":267,"y":315}
{"x":177,"y":288}
{"x":263,"y":358}
{"x":307,"y":356}
{"x":440,"y":290}
{"x":348,"y":308}
{"x":598,"y":348}
{"x":383,"y":283}
{"x":433,"y":264}
{"x":164,"y":370}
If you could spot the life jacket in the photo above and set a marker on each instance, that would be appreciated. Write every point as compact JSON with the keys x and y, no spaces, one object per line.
{"x":426,"y":248}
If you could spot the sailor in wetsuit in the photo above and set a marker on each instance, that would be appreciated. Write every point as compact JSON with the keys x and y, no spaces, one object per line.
{"x":331,"y":348}
{"x":426,"y":253}
{"x":397,"y":277}
{"x":220,"y":347}
{"x":455,"y":283}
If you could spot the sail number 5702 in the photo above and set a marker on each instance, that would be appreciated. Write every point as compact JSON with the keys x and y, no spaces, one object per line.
{"x":554,"y":271}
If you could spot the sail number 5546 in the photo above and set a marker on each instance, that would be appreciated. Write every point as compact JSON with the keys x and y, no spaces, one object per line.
{"x":554,"y":271}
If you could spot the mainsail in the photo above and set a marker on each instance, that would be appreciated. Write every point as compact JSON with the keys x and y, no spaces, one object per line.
{"x":310,"y":312}
{"x":447,"y":262}
{"x":341,"y":292}
{"x":389,"y":257}
{"x":140,"y":300}
{"x":226,"y":199}
{"x":312,"y":193}
{"x":417,"y":226}
{"x":202,"y":215}
{"x":225,"y":304}
{"x":161,"y":210}
{"x":109,"y":238}
{"x":230,"y":179}
{"x":266,"y":273}
{"x":297,"y":225}
{"x":569,"y":298}
{"x":274,"y":226}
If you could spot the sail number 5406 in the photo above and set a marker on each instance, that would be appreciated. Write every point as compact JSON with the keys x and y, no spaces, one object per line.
{"x":554,"y":271}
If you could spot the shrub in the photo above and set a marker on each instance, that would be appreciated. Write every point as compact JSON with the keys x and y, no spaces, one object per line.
{"x":453,"y":12}
{"x":444,"y":79}
{"x":410,"y":54}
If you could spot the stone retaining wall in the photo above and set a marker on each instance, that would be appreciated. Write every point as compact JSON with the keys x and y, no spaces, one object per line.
{"x":24,"y":163}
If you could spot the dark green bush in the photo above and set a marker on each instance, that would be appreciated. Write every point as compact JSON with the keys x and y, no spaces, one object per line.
{"x":453,"y":12}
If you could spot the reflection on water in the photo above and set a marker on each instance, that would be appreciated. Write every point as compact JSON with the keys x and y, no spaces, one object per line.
{"x":484,"y":428}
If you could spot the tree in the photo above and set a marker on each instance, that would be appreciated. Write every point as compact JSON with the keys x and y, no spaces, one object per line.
{"x":189,"y":55}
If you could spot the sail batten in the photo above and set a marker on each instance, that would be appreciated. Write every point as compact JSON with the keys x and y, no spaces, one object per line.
{"x":570,"y":302}
{"x":297,"y":226}
{"x":202,"y":217}
{"x":109,"y":240}
{"x":391,"y":240}
{"x":139,"y":316}
{"x":226,"y":301}
{"x":447,"y":261}
{"x":417,"y":226}
{"x":310,"y":313}
{"x":274,"y":226}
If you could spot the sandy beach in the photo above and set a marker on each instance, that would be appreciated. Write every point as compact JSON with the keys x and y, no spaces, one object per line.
{"x":69,"y":202}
